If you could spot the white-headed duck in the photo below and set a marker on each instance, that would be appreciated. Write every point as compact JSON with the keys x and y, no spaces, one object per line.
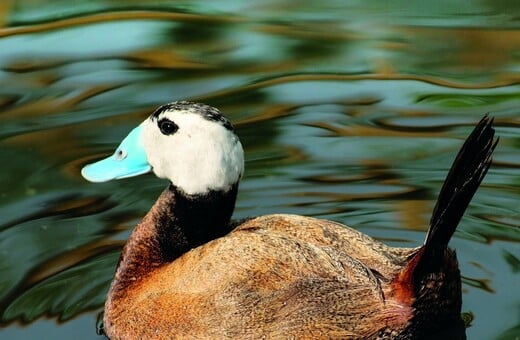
{"x":187,"y":271}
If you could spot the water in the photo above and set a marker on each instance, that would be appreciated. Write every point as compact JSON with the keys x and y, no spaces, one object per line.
{"x":351,"y":112}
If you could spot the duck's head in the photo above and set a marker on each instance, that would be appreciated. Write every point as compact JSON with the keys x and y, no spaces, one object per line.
{"x":192,"y":145}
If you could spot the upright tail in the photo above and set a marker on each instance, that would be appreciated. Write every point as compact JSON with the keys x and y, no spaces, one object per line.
{"x":466,"y":174}
{"x":430,"y":281}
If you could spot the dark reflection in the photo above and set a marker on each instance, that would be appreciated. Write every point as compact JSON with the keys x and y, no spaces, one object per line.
{"x":63,"y":295}
{"x":308,"y":40}
{"x":511,"y":333}
{"x":347,"y":112}
{"x":66,"y":205}
{"x":192,"y":32}
{"x":241,"y":103}
{"x":512,"y":260}
{"x":478,"y":283}
{"x":460,"y":100}
{"x":371,"y":175}
{"x":7,"y":100}
{"x":99,"y":324}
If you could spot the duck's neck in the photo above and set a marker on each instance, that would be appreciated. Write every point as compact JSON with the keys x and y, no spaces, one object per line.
{"x":175,"y":224}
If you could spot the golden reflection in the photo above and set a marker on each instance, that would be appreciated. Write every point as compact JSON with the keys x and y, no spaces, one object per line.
{"x":271,"y":112}
{"x":476,"y":48}
{"x":370,"y":131}
{"x":62,"y":144}
{"x":358,"y":177}
{"x":506,"y":80}
{"x":116,"y":16}
{"x":71,"y":258}
{"x":511,"y":221}
{"x":396,"y":193}
{"x":165,"y":58}
{"x":384,"y":66}
{"x":21,"y":66}
{"x":481,"y":267}
{"x":330,"y":31}
{"x":483,"y":284}
{"x":412,"y":213}
{"x":51,"y":105}
{"x":5,"y":11}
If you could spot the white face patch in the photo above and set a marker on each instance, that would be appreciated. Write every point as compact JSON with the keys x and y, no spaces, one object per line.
{"x":202,"y":155}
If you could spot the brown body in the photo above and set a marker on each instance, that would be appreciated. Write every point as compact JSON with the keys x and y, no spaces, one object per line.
{"x":292,"y":271}
{"x":295,"y":277}
{"x":287,"y":276}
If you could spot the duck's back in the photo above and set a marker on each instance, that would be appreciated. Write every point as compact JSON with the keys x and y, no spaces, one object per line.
{"x":279,"y":276}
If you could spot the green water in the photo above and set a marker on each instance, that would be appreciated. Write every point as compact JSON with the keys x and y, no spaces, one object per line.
{"x":351,"y":111}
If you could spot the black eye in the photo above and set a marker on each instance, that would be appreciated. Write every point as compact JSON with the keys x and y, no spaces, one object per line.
{"x":167,"y":127}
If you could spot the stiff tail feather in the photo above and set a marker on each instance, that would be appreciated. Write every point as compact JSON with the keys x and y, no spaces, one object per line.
{"x":466,"y":173}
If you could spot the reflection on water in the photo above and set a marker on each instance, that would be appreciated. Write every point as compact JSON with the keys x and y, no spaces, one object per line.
{"x":346,"y":112}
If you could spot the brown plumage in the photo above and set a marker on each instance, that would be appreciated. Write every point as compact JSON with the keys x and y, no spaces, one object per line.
{"x":287,"y":276}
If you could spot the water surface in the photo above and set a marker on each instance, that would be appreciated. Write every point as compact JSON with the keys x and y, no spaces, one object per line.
{"x":351,"y":112}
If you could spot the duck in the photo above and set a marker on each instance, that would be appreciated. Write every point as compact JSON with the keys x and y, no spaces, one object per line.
{"x":189,"y":271}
